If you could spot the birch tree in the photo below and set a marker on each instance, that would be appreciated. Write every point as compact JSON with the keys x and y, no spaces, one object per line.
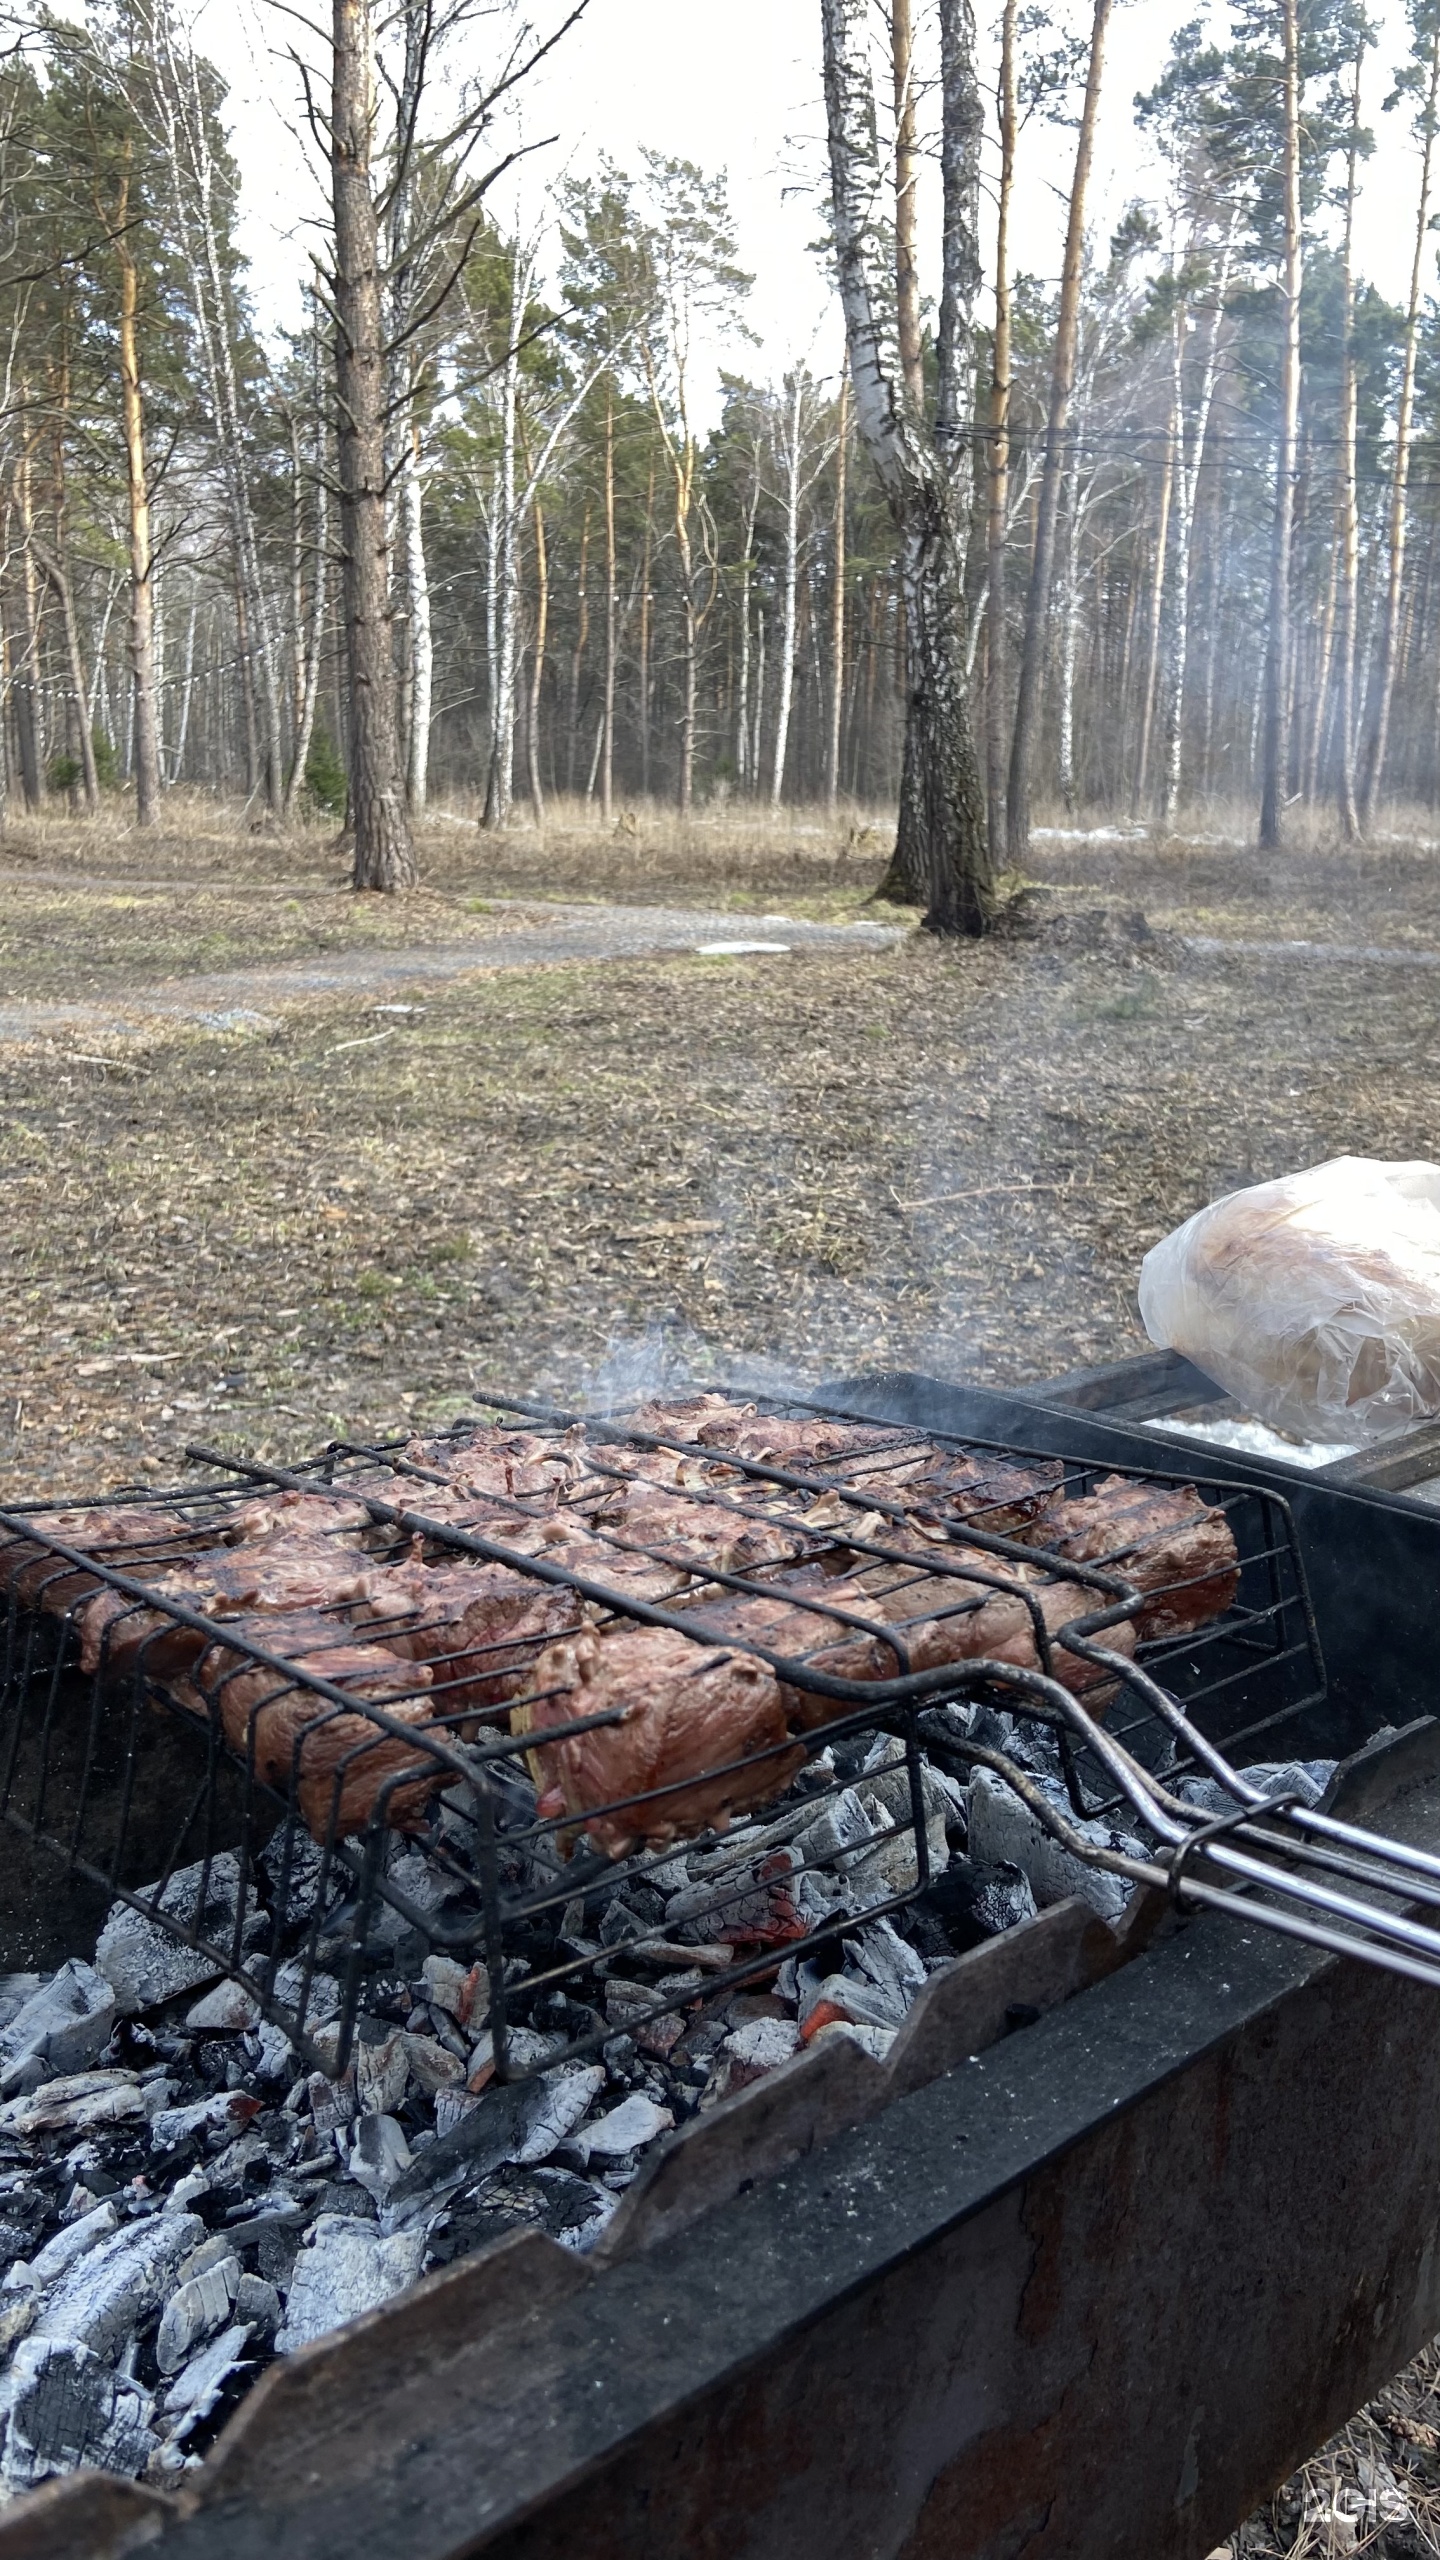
{"x":1062,"y":384}
{"x":1421,"y":79}
{"x":941,"y":839}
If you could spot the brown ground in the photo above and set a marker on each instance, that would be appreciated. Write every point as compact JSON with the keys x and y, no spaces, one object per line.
{"x":343,"y":1220}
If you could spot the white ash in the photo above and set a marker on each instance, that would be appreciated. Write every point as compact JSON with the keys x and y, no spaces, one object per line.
{"x":182,"y":2197}
{"x":1306,"y":1778}
{"x":1004,"y":1831}
{"x":141,"y":1960}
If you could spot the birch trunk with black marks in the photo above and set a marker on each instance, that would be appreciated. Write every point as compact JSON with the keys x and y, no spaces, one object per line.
{"x":998,"y":517}
{"x":1275,"y":717}
{"x":1379,"y":731}
{"x":187,"y":136}
{"x":793,"y":459}
{"x":942,"y":853}
{"x":142,"y":562}
{"x":1349,"y":508}
{"x":1190,"y":454}
{"x":1062,"y":388}
{"x":837,"y":602}
{"x":384,"y":855}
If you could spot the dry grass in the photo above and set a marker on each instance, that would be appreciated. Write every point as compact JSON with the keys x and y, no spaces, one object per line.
{"x":1375,"y":2488}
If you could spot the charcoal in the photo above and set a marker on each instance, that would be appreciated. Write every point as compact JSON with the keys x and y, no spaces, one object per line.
{"x":346,"y":2266}
{"x":144,"y":1964}
{"x":564,"y":2097}
{"x":756,"y":2046}
{"x":74,"y":2102}
{"x":194,"y":2393}
{"x":1307,"y":1778}
{"x":15,"y":1990}
{"x":211,"y":2118}
{"x":70,"y":2243}
{"x":382,"y":2073}
{"x":64,"y":2025}
{"x":229,"y":2008}
{"x":258,"y":2305}
{"x":876,"y":2041}
{"x":64,"y":2407}
{"x":1003,"y":1831}
{"x":1002,"y":1898}
{"x":627,"y":2128}
{"x":379,"y":2154}
{"x":195,"y":2310}
{"x":432,"y":2064}
{"x":115,"y":2284}
{"x":320,"y":1996}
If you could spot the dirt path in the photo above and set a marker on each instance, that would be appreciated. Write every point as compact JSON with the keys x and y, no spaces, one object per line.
{"x":231,"y":998}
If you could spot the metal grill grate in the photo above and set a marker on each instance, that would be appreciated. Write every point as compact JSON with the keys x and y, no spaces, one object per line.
{"x":354,"y":1694}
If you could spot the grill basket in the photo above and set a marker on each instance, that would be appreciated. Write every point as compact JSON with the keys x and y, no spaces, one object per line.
{"x":117,"y":1763}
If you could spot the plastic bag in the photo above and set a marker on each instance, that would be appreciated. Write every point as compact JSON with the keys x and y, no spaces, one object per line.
{"x":1313,"y":1301}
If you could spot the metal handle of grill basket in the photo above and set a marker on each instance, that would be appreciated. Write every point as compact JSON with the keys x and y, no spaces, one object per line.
{"x":1273,"y":1862}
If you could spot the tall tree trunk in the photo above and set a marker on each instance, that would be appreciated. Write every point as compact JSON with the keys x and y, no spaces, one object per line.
{"x":998,"y":515}
{"x":182,"y":108}
{"x":1191,"y":457}
{"x":907,"y":159}
{"x":1379,"y":730}
{"x":837,"y":601}
{"x":791,"y":576}
{"x":577,"y":654}
{"x":647,"y":551}
{"x":537,"y":670}
{"x":607,"y":748}
{"x":745,"y":773}
{"x":405,"y":467}
{"x":421,"y":636}
{"x":500,"y":783}
{"x":27,"y":656}
{"x":1157,"y":600}
{"x":1062,"y":387}
{"x":1275,"y":756}
{"x":941,"y":843}
{"x":1069,"y":632}
{"x":142,"y":570}
{"x":310,"y":649}
{"x":384,"y":852}
{"x":59,"y":582}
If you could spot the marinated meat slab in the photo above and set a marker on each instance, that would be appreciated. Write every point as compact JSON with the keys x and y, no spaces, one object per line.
{"x":335,"y":1765}
{"x":478,"y":1628}
{"x":684,"y":1711}
{"x":127,"y":1535}
{"x":276,"y":1578}
{"x":839,"y":1628}
{"x":1165,"y":1539}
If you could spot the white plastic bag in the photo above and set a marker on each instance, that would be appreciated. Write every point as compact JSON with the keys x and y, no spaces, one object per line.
{"x":1314,"y":1301}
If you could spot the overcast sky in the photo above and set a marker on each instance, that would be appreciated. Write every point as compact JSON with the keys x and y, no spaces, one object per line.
{"x":738,"y":87}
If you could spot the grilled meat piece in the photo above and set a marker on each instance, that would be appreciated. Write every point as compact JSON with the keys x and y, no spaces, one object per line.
{"x":309,"y":1573}
{"x":699,"y":1533}
{"x":684,"y":1711}
{"x":286,"y":1515}
{"x":329,"y":1761}
{"x":689,"y":1709}
{"x":517,"y":1465}
{"x":477,"y":1627}
{"x":130,"y":1536}
{"x":1179,"y":1550}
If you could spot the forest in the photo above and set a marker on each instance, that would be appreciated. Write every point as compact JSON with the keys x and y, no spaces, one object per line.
{"x":1195,"y":475}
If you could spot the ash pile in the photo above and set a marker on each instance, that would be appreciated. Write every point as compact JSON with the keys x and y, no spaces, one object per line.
{"x":180,"y":2200}
{"x":574,"y":1780}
